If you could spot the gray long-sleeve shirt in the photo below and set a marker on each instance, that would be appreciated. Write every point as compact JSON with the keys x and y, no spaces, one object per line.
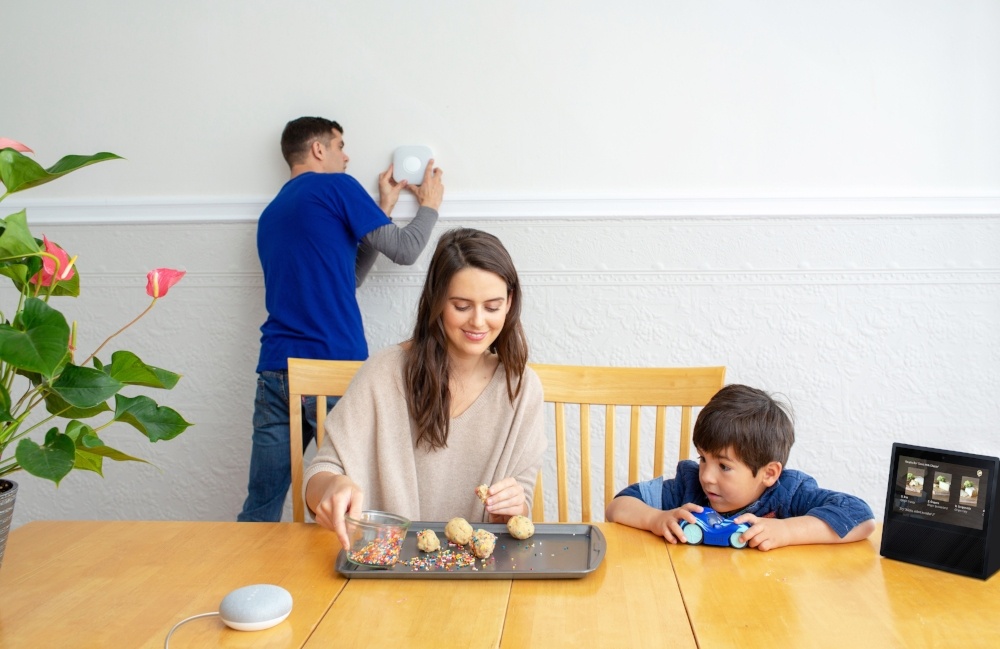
{"x":402,"y":245}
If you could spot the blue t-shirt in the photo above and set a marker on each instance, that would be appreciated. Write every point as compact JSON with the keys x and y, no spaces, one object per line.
{"x":307,"y":241}
{"x":794,"y":494}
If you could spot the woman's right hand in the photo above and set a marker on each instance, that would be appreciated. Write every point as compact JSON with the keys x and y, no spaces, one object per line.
{"x":331,"y":497}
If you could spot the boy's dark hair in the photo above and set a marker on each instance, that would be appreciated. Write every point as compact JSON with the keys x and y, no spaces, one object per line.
{"x":748,"y":421}
{"x":300,"y":133}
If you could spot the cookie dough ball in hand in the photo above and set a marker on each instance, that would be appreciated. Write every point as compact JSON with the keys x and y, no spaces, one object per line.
{"x":428,"y":541}
{"x":458,"y":531}
{"x":520,"y":527}
{"x":483,"y":491}
{"x":483,"y":543}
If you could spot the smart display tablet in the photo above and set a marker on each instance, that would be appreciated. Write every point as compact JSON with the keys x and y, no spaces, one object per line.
{"x":941,"y":510}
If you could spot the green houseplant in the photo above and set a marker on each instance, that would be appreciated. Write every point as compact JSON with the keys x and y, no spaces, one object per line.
{"x":53,"y":409}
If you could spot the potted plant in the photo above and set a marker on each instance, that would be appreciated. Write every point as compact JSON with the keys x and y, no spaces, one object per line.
{"x":53,"y":409}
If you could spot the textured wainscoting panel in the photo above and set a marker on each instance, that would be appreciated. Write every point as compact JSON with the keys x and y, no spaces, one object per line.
{"x":874,"y":328}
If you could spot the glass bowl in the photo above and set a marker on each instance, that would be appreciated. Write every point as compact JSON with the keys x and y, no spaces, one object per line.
{"x":376,"y":538}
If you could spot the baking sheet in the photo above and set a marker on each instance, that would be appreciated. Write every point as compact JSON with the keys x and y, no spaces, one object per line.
{"x":555,"y":551}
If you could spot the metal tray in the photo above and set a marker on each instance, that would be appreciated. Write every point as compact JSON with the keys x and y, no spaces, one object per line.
{"x":555,"y":551}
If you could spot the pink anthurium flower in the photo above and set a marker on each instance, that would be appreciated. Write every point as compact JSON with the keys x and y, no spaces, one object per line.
{"x":51,"y":270}
{"x":159,"y":281}
{"x":7,"y":143}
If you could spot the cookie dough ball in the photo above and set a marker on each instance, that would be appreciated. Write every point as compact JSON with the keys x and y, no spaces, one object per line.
{"x":458,"y":531}
{"x":483,"y":543}
{"x":520,"y":527}
{"x":483,"y":491}
{"x":428,"y":541}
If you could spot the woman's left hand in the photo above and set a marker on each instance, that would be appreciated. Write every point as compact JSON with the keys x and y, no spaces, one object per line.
{"x":505,"y":499}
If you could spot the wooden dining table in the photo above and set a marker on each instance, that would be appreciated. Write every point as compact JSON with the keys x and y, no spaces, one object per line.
{"x":127,"y":583}
{"x":831,"y":596}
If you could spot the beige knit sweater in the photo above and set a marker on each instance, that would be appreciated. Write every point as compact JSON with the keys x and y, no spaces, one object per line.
{"x":370,"y":438}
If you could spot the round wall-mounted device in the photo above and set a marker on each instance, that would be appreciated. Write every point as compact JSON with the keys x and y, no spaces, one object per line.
{"x":409,"y":163}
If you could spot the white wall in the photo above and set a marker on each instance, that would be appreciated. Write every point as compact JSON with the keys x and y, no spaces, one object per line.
{"x":807,"y":193}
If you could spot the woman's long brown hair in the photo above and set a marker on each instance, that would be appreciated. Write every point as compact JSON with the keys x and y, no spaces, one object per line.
{"x":426,"y":369}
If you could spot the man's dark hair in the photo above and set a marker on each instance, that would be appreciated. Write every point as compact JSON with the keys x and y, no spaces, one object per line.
{"x":299,"y":134}
{"x":748,"y":421}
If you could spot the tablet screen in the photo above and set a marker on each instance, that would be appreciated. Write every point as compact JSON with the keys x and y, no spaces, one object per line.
{"x":941,"y":491}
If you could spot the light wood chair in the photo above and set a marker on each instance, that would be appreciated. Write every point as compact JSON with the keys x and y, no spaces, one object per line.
{"x":311,"y":378}
{"x":584,"y":386}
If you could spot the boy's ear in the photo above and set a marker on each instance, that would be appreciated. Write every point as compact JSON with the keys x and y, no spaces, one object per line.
{"x":771,"y":471}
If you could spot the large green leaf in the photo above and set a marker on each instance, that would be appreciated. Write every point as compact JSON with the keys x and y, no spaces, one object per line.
{"x":52,"y":461}
{"x":17,"y":240}
{"x":130,"y":370}
{"x":85,"y":387}
{"x":95,"y":457}
{"x":19,"y":172}
{"x":56,"y":405}
{"x":20,"y":259}
{"x":37,"y":341}
{"x":89,"y":462}
{"x":91,"y":450}
{"x":83,"y":437}
{"x":21,"y":270}
{"x":153,"y":421}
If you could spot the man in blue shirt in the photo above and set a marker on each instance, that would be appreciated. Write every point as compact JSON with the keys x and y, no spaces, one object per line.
{"x":316,"y":241}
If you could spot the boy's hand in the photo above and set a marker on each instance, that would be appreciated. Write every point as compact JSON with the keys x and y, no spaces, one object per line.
{"x":668,"y":524}
{"x":766,"y":533}
{"x":635,"y":513}
{"x":769,"y":533}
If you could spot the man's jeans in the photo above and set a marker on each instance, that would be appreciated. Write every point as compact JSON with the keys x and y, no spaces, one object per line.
{"x":270,"y":459}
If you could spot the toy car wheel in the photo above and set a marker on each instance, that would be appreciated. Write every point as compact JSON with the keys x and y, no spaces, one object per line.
{"x":693,"y":534}
{"x":734,"y":540}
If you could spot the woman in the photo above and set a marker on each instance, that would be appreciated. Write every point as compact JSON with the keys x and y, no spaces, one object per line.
{"x":424,"y":423}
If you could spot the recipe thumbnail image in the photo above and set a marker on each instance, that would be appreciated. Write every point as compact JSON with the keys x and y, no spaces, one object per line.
{"x":914,"y":481}
{"x":969,"y":495}
{"x":942,"y":486}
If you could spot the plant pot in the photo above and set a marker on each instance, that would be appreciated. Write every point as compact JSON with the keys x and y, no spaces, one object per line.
{"x":8,"y":491}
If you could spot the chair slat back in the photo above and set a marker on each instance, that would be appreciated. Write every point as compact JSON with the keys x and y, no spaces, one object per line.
{"x":585,"y":386}
{"x":311,"y":378}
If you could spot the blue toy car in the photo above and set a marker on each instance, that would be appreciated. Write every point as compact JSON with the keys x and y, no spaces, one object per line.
{"x":713,"y":529}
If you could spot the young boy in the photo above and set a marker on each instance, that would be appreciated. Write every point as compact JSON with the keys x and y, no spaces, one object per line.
{"x":743,"y":438}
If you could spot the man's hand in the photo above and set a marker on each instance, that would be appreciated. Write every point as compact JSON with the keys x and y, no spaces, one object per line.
{"x":430,"y":192}
{"x":388,"y":190}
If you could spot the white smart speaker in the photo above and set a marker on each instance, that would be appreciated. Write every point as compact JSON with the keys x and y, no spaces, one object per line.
{"x":409,"y":163}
